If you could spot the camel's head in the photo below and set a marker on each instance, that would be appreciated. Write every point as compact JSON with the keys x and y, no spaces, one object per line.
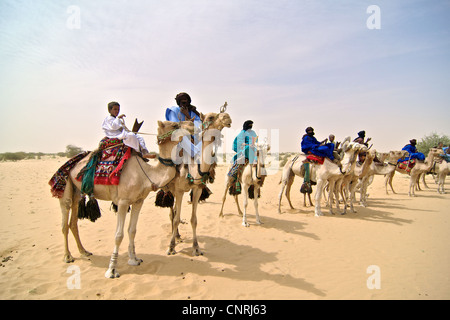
{"x":372,"y":153}
{"x":174,"y":131}
{"x":436,"y":151}
{"x":396,"y":155}
{"x":382,"y":156}
{"x":217,"y":121}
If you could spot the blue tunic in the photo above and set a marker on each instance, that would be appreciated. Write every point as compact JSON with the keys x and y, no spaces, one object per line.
{"x":244,"y":146}
{"x":174,"y":114}
{"x":413,"y":154}
{"x":310,"y":144}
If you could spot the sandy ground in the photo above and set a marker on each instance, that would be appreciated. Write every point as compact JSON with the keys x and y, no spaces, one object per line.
{"x":396,"y":248}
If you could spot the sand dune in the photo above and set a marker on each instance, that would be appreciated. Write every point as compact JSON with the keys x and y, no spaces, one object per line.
{"x":291,"y":256}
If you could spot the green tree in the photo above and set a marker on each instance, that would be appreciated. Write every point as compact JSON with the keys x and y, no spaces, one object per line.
{"x":431,"y":141}
{"x":72,"y":150}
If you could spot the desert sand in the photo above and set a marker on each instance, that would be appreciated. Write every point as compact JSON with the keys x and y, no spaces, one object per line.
{"x":399,"y":243}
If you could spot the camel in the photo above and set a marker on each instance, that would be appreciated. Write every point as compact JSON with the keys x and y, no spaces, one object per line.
{"x":443,"y":168}
{"x":330,"y":173}
{"x":194,"y":176}
{"x":137,"y":180}
{"x":379,"y":169}
{"x":350,"y":181}
{"x":252,"y":177}
{"x":419,"y":168}
{"x":293,"y":167}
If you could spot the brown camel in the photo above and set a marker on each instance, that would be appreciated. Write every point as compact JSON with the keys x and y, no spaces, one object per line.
{"x":419,"y":168}
{"x":195,"y":175}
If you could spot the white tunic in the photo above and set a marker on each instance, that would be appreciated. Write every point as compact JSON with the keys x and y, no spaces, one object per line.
{"x":115,"y":128}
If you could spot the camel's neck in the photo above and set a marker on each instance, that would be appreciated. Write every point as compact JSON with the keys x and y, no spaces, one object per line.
{"x":429,"y":160}
{"x":348,"y":162}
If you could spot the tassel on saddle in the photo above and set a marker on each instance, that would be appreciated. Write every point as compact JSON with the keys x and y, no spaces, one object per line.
{"x":205,"y":194}
{"x":89,"y":210}
{"x":164,"y":199}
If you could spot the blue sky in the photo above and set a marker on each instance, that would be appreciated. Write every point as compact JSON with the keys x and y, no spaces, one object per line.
{"x":286,"y":65}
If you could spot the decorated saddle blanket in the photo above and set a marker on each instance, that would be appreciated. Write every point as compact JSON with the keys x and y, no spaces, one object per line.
{"x":316,"y":159}
{"x":58,"y":181}
{"x":407,"y":165}
{"x":111,"y":155}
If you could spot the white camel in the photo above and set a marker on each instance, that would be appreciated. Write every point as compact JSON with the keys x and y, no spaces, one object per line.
{"x":443,"y":168}
{"x":379,"y":168}
{"x":252,"y":180}
{"x":293,"y":167}
{"x":329,"y":173}
{"x":419,"y":168}
{"x":137,"y":180}
{"x":350,"y":181}
{"x":194,"y":176}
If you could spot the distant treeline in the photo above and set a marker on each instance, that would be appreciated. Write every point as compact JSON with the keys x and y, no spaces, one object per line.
{"x":71,"y":151}
{"x":424,"y":145}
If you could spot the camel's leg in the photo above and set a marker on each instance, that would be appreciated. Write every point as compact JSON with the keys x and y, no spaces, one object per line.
{"x":132,"y":228}
{"x":74,"y":227}
{"x":412,"y":185}
{"x":388,"y":181}
{"x":175,"y":222}
{"x":195,"y":197}
{"x":280,"y":195}
{"x":337,"y":192}
{"x":65,"y":205}
{"x":288,"y":190}
{"x":255,"y":203}
{"x":331,"y":196}
{"x":223,"y":199}
{"x":236,"y":199}
{"x":318,"y":197}
{"x":121,"y":214}
{"x":424,"y":175}
{"x":171,"y":217}
{"x":245,"y":202}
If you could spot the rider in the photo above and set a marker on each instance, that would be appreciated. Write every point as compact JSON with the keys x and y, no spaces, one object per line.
{"x":184,"y":111}
{"x":310,"y":144}
{"x":412,"y":150}
{"x":114,"y":127}
{"x":245,"y":147}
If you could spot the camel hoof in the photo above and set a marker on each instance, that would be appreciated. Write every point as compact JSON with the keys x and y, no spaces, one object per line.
{"x":246,"y":224}
{"x":259,"y":222}
{"x":68,"y":258}
{"x":171,"y":252}
{"x":86,"y":253}
{"x":318,"y":214}
{"x":197,"y":252}
{"x":135,"y":262}
{"x":111,"y":274}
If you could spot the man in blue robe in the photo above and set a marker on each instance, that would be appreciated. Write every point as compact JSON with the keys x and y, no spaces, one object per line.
{"x":184,"y":111}
{"x":245,"y":144}
{"x":311,"y":145}
{"x":245,"y":147}
{"x":412,"y":150}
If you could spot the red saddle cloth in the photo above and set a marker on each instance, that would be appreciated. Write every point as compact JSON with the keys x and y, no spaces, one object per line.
{"x":407,"y":165}
{"x":113,"y":155}
{"x":316,"y":159}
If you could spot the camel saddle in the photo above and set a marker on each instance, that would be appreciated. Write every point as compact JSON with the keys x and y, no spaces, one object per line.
{"x":111,"y":157}
{"x":315,"y":159}
{"x":407,"y":165}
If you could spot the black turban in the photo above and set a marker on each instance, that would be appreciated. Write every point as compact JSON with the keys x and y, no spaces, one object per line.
{"x":247,"y":125}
